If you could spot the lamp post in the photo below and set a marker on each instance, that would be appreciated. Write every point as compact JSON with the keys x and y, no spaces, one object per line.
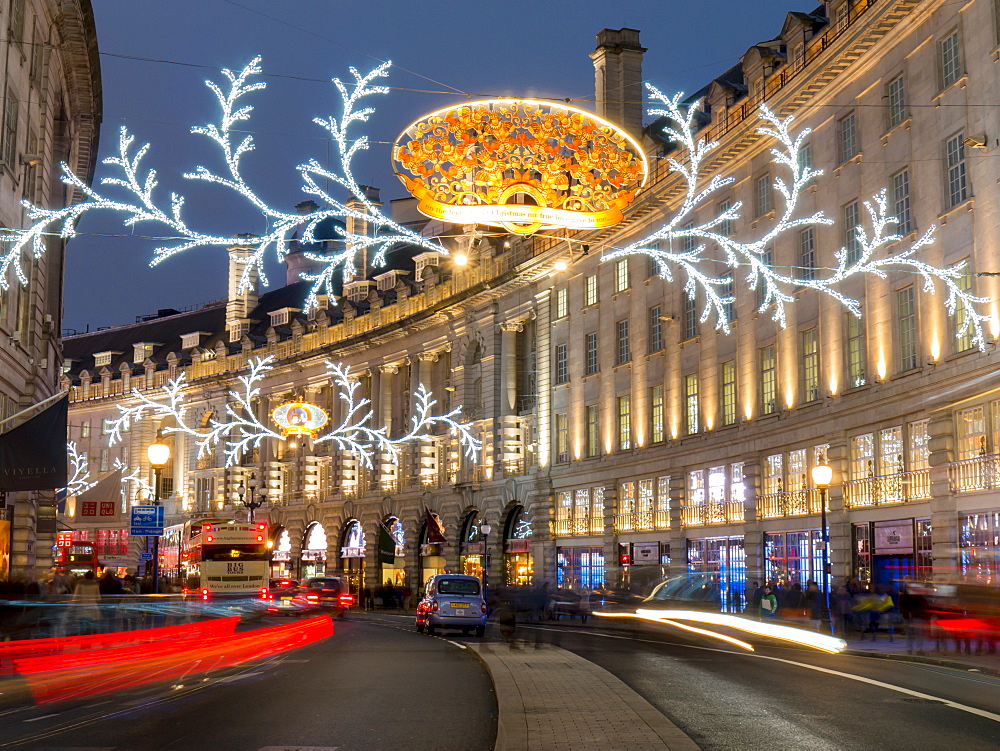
{"x":253,"y":504}
{"x":822,"y":476}
{"x":484,"y":530}
{"x":158,"y":454}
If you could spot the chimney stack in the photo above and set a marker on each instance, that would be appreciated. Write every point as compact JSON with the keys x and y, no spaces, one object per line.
{"x":618,"y":78}
{"x":358,"y":226}
{"x":240,"y":304}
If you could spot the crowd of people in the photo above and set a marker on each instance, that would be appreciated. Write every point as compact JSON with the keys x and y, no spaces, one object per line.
{"x":63,"y":603}
{"x":963,"y":617}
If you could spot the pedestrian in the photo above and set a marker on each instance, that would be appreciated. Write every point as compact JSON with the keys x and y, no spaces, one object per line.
{"x":86,"y":611}
{"x":816,"y":605}
{"x":768,"y":604}
{"x":793,"y":602}
{"x":843,"y":606}
{"x":755,"y":595}
{"x":913,"y":610}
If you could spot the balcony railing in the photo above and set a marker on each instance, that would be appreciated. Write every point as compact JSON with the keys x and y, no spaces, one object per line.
{"x":580,"y":525}
{"x":978,"y":473}
{"x":788,"y":503}
{"x":900,"y":487}
{"x":725,"y":512}
{"x":639,"y":521}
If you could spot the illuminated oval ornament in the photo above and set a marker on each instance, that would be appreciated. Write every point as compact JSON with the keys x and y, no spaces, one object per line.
{"x":299,"y":418}
{"x":520,"y":164}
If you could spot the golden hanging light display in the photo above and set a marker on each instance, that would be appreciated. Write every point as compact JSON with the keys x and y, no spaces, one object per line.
{"x":520,"y":164}
{"x":299,"y":418}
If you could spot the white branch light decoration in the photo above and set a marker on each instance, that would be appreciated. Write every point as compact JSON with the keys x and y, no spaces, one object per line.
{"x":779,"y":288}
{"x":698,"y":263}
{"x":140,"y":205}
{"x":79,"y":481}
{"x":241,"y":430}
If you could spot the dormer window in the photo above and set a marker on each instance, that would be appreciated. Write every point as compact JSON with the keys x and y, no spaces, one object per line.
{"x":192,"y":340}
{"x":237,"y":329}
{"x":423,"y":261}
{"x":357,"y":291}
{"x":141,"y":350}
{"x":282,"y":317}
{"x":103,"y":358}
{"x":386,"y":281}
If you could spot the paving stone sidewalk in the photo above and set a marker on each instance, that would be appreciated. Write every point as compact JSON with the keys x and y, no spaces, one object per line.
{"x":550,"y":699}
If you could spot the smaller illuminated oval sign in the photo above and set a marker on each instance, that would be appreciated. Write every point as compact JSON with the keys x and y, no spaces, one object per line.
{"x":299,"y":418}
{"x":520,"y":164}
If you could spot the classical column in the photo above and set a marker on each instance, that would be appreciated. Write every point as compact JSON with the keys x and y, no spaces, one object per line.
{"x":509,"y":450}
{"x":387,"y":467}
{"x":426,"y":452}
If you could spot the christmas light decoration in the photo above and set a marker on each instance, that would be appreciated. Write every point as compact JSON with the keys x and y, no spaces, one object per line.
{"x":79,"y":481}
{"x":699,"y":239}
{"x":241,"y":430}
{"x":707,"y":248}
{"x":141,"y":205}
{"x":520,"y":164}
{"x":133,"y":477}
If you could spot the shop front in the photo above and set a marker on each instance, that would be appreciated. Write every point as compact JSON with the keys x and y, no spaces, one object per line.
{"x":979,"y":547}
{"x":312,"y":559}
{"x":724,"y":559}
{"x":793,"y":557}
{"x":392,"y":553}
{"x":580,"y":567}
{"x":281,"y":553}
{"x":648,"y":564}
{"x":887,"y":552}
{"x":472,"y":551}
{"x":352,"y":555}
{"x":517,"y":561}
{"x":432,"y":541}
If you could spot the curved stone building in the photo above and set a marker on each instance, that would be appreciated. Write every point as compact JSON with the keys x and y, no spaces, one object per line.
{"x":624,"y":436}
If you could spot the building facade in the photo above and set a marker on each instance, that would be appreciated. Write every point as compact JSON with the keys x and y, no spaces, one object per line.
{"x":624,"y":436}
{"x":51,"y":114}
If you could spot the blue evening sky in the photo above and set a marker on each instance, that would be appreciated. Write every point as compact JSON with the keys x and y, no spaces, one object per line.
{"x":156,"y":55}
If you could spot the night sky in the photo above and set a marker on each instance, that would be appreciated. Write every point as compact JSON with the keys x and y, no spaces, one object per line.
{"x":156,"y":55}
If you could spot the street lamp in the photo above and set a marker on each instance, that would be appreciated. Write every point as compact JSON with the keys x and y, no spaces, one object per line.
{"x":822,"y":476}
{"x":253,"y":504}
{"x":158,"y":454}
{"x":484,"y":530}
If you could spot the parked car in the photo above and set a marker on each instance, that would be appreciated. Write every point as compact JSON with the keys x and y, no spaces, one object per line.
{"x":325,"y":593}
{"x":452,"y":601}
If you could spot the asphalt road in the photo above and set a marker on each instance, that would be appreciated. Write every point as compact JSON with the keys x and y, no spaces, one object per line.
{"x":368,"y":687}
{"x":790,"y":698}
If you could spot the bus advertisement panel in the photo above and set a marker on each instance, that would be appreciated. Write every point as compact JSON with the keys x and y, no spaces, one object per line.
{"x":231,"y":557}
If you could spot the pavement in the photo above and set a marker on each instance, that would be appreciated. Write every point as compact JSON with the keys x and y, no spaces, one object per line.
{"x":547,"y":697}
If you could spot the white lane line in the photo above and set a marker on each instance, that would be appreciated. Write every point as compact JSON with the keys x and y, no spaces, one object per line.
{"x":889,"y":686}
{"x":460,"y":646}
{"x":41,"y":717}
{"x":860,"y":678}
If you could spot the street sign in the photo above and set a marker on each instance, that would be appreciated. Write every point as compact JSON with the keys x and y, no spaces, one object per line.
{"x":147,"y":520}
{"x":145,"y":556}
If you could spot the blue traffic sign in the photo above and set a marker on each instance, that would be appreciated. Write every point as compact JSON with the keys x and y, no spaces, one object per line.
{"x":145,"y":556}
{"x":147,"y":520}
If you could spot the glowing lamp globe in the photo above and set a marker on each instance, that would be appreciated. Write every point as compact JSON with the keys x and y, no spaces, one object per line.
{"x":822,"y":475}
{"x":299,"y":418}
{"x":158,"y":453}
{"x":520,"y":164}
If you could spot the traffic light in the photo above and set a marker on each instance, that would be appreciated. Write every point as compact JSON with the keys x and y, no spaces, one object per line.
{"x":624,"y":555}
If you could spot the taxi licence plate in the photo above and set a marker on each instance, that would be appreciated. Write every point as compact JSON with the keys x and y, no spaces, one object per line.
{"x":459,"y":604}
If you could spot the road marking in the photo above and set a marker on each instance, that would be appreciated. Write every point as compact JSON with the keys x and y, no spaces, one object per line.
{"x":460,"y":646}
{"x":851,"y":676}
